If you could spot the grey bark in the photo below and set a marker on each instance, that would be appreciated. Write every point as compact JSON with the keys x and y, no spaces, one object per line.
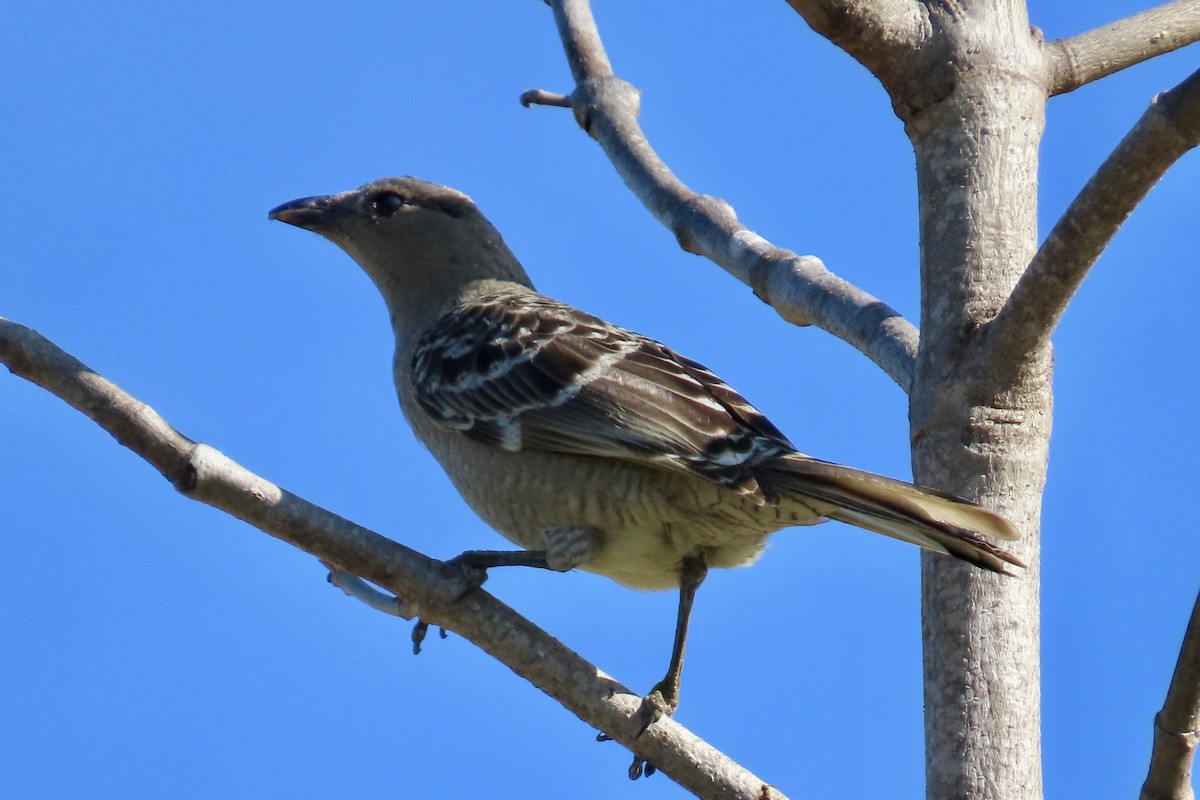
{"x":1089,"y":56}
{"x":977,"y":150}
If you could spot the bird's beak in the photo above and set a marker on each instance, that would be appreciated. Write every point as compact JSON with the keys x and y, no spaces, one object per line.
{"x":318,"y":214}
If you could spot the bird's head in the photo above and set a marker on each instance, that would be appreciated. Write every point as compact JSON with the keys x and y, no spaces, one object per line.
{"x":421,"y":243}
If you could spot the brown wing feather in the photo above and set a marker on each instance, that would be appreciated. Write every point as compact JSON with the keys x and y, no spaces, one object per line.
{"x":529,"y":372}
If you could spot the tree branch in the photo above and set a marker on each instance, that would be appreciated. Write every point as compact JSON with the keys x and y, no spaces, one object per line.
{"x":1077,"y":60}
{"x":1168,"y":129}
{"x":1177,"y":726}
{"x":882,"y":35}
{"x":367,"y":594}
{"x":201,"y":473}
{"x":800,"y":288}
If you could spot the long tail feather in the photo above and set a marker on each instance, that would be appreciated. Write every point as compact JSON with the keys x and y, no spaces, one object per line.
{"x":924,"y":517}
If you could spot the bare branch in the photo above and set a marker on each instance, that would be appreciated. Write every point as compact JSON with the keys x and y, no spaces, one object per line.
{"x":882,"y":35}
{"x":1168,"y":129}
{"x":1177,"y":726}
{"x":1089,"y":56}
{"x":800,"y":288}
{"x":201,"y":473}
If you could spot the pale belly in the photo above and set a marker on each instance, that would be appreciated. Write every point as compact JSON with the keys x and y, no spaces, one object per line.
{"x":645,"y":520}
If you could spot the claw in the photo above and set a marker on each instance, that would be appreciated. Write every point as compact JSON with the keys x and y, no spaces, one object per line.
{"x":420,"y":629}
{"x":654,"y":707}
{"x":418,"y":635}
{"x":640,"y":767}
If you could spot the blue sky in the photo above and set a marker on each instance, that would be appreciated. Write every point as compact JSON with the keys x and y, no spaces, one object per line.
{"x":155,"y":647}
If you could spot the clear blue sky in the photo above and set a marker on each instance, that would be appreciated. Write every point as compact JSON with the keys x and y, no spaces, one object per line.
{"x":154,"y":647}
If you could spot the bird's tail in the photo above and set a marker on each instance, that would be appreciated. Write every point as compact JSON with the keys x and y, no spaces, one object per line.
{"x":925,"y":517}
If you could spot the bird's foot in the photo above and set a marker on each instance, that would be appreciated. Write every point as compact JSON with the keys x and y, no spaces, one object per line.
{"x":466,"y":574}
{"x":654,"y":707}
{"x":661,"y":702}
{"x":462,"y":576}
{"x":639,"y":767}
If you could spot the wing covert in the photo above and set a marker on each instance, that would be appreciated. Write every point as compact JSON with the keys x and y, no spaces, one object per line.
{"x":522,"y":371}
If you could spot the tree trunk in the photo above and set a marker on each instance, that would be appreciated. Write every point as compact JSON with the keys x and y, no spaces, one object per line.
{"x":975,"y":124}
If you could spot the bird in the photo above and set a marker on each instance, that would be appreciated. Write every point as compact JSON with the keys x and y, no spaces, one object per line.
{"x":586,"y":444}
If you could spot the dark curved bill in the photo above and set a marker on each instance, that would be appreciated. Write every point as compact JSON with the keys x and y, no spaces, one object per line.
{"x":311,"y":213}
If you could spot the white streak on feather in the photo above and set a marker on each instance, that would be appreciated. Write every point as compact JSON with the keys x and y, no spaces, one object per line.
{"x":510,"y":434}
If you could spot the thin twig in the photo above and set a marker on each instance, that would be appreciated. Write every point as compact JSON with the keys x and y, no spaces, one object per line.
{"x":1177,"y":726}
{"x":800,"y":288}
{"x":1168,"y":129}
{"x":201,"y":473}
{"x":1081,"y":59}
{"x":367,"y":594}
{"x":539,"y":97}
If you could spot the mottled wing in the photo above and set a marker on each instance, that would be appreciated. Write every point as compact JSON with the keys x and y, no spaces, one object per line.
{"x":521,"y":371}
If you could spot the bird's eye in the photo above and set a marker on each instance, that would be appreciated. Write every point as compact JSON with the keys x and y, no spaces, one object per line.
{"x":385,"y":204}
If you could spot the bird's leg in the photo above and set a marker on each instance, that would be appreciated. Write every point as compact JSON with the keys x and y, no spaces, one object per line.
{"x":486,"y":559}
{"x":566,"y":548}
{"x":664,"y":697}
{"x":470,"y":568}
